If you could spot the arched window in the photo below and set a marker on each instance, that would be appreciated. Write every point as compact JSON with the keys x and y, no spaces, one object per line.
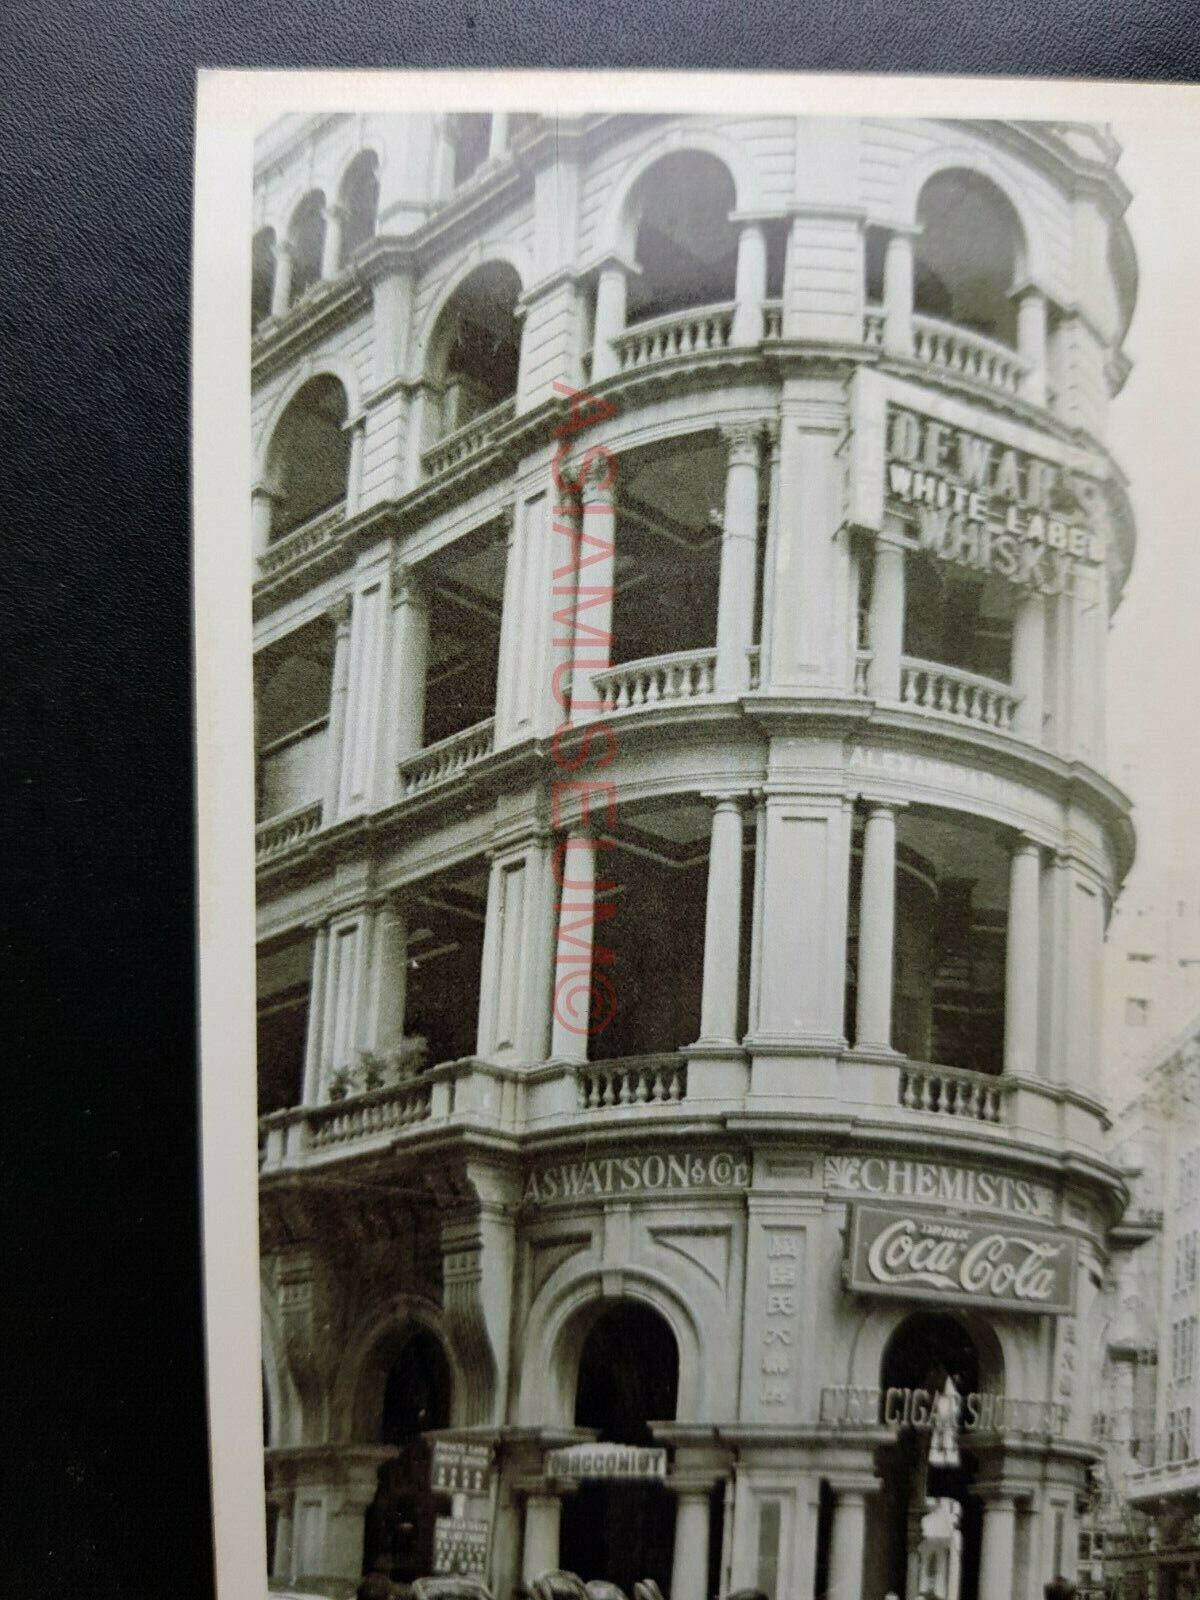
{"x":398,"y":1533}
{"x":262,"y":275}
{"x":471,"y":132}
{"x":476,"y":346}
{"x":309,"y":458}
{"x":685,"y":245}
{"x":360,"y":202}
{"x":968,"y":254}
{"x":307,"y":238}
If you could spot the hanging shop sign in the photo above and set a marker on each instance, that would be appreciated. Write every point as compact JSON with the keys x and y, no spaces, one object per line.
{"x":460,"y":1547}
{"x":986,"y":506}
{"x":919,"y":1256}
{"x":656,"y":1172}
{"x":863,"y":1405}
{"x":606,"y":1461}
{"x":460,"y":1468}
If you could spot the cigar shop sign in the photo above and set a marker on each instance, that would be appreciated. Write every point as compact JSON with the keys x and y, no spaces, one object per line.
{"x":915,"y":1255}
{"x":978,"y":504}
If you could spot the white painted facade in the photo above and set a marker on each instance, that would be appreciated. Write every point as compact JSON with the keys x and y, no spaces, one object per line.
{"x":865,"y":886}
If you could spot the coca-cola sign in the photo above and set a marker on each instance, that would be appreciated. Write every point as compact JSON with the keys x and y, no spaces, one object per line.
{"x":922,"y":1256}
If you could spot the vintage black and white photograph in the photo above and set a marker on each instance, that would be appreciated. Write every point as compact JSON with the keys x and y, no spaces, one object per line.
{"x":710,"y":594}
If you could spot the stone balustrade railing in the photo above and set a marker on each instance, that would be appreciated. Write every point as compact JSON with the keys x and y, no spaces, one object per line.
{"x":951,"y":1092}
{"x":682,"y":333}
{"x":638,"y":1081}
{"x":438,"y":763}
{"x":686,"y":675}
{"x":278,"y":835}
{"x":873,"y":323}
{"x":468,"y":440}
{"x":302,"y":542}
{"x":862,"y":668}
{"x":930,"y":686}
{"x":967,"y":355}
{"x":383,"y":1111}
{"x":773,"y":319}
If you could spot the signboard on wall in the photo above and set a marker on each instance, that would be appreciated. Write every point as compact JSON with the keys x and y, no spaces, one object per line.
{"x":915,"y":1255}
{"x":607,"y":1461}
{"x":980,"y":504}
{"x":460,"y":1547}
{"x":460,"y":1468}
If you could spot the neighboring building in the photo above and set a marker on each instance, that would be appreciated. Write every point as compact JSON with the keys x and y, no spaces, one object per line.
{"x":717,"y":1078}
{"x":1152,"y":977}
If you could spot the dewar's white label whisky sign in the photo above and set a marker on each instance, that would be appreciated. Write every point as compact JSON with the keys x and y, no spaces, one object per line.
{"x":987,"y":506}
{"x":894,"y":1251}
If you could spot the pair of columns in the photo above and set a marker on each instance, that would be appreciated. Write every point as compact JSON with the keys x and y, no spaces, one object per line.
{"x":898,"y":299}
{"x":689,"y":1565}
{"x":886,"y":617}
{"x":750,"y":293}
{"x":877,"y":942}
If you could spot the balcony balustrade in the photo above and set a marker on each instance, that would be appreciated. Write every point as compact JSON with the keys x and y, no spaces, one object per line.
{"x":446,"y":759}
{"x":874,"y":318}
{"x":965,"y":354}
{"x":468,"y":440}
{"x":278,"y":835}
{"x":773,"y":319}
{"x":681,"y":333}
{"x":686,"y":675}
{"x":638,"y":1081}
{"x":862,"y":668}
{"x":950,"y":1092}
{"x":384,"y":1111}
{"x":951,"y":692}
{"x":311,"y":537}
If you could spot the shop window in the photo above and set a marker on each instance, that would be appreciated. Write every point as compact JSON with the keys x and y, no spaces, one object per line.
{"x":262,"y":275}
{"x":307,"y":238}
{"x":684,"y":243}
{"x":359,"y":200}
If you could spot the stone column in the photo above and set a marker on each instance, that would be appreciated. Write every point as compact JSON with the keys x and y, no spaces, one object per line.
{"x":593,"y":642}
{"x":388,"y":990}
{"x":722,"y":924}
{"x":543,"y":1516}
{"x":898,"y":294}
{"x":1022,"y":959}
{"x":1028,"y":665}
{"x":886,"y":620}
{"x":339,"y":615}
{"x":331,"y":246}
{"x":689,"y":1566}
{"x":573,"y":952}
{"x":281,"y":287}
{"x":771,"y":558}
{"x":739,"y":552}
{"x":498,"y":135}
{"x":1031,"y":344}
{"x":357,"y":429}
{"x":313,"y":1062}
{"x":262,"y":508}
{"x":876,"y":929}
{"x":997,"y":1546}
{"x":610,"y":318}
{"x":847,"y":1542}
{"x":750,"y":285}
{"x":281,"y":1556}
{"x":410,"y":658}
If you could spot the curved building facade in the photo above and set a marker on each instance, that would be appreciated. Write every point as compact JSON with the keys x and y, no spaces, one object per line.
{"x":684,"y":553}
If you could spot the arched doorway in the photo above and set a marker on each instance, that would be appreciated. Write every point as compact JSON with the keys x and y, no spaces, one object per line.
{"x":628,"y":1378}
{"x":924,"y":1351}
{"x":398,"y":1536}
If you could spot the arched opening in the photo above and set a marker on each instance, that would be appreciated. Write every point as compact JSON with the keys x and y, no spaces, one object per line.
{"x":684,"y":243}
{"x":308,"y":463}
{"x":968,"y":254}
{"x":262,"y":275}
{"x":476,"y":346}
{"x":929,"y":1469}
{"x":416,"y":1391}
{"x":359,"y":202}
{"x":628,"y":1378}
{"x":307,"y":239}
{"x":471,"y":133}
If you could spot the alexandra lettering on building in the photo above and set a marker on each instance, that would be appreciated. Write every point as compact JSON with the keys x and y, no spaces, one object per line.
{"x":992,"y":508}
{"x":893,"y":1252}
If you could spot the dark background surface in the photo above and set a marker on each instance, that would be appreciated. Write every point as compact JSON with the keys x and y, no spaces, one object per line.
{"x":104,"y":1461}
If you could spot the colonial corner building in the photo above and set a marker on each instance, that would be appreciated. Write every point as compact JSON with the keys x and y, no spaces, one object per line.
{"x":684,"y":553}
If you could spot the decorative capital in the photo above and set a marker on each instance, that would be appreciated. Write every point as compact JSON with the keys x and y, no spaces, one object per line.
{"x":597,"y":478}
{"x":770,"y":433}
{"x":742,"y":442}
{"x":339,"y":613}
{"x":407,"y":588}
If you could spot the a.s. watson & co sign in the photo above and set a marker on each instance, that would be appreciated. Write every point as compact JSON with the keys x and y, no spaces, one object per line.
{"x":917,"y":1256}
